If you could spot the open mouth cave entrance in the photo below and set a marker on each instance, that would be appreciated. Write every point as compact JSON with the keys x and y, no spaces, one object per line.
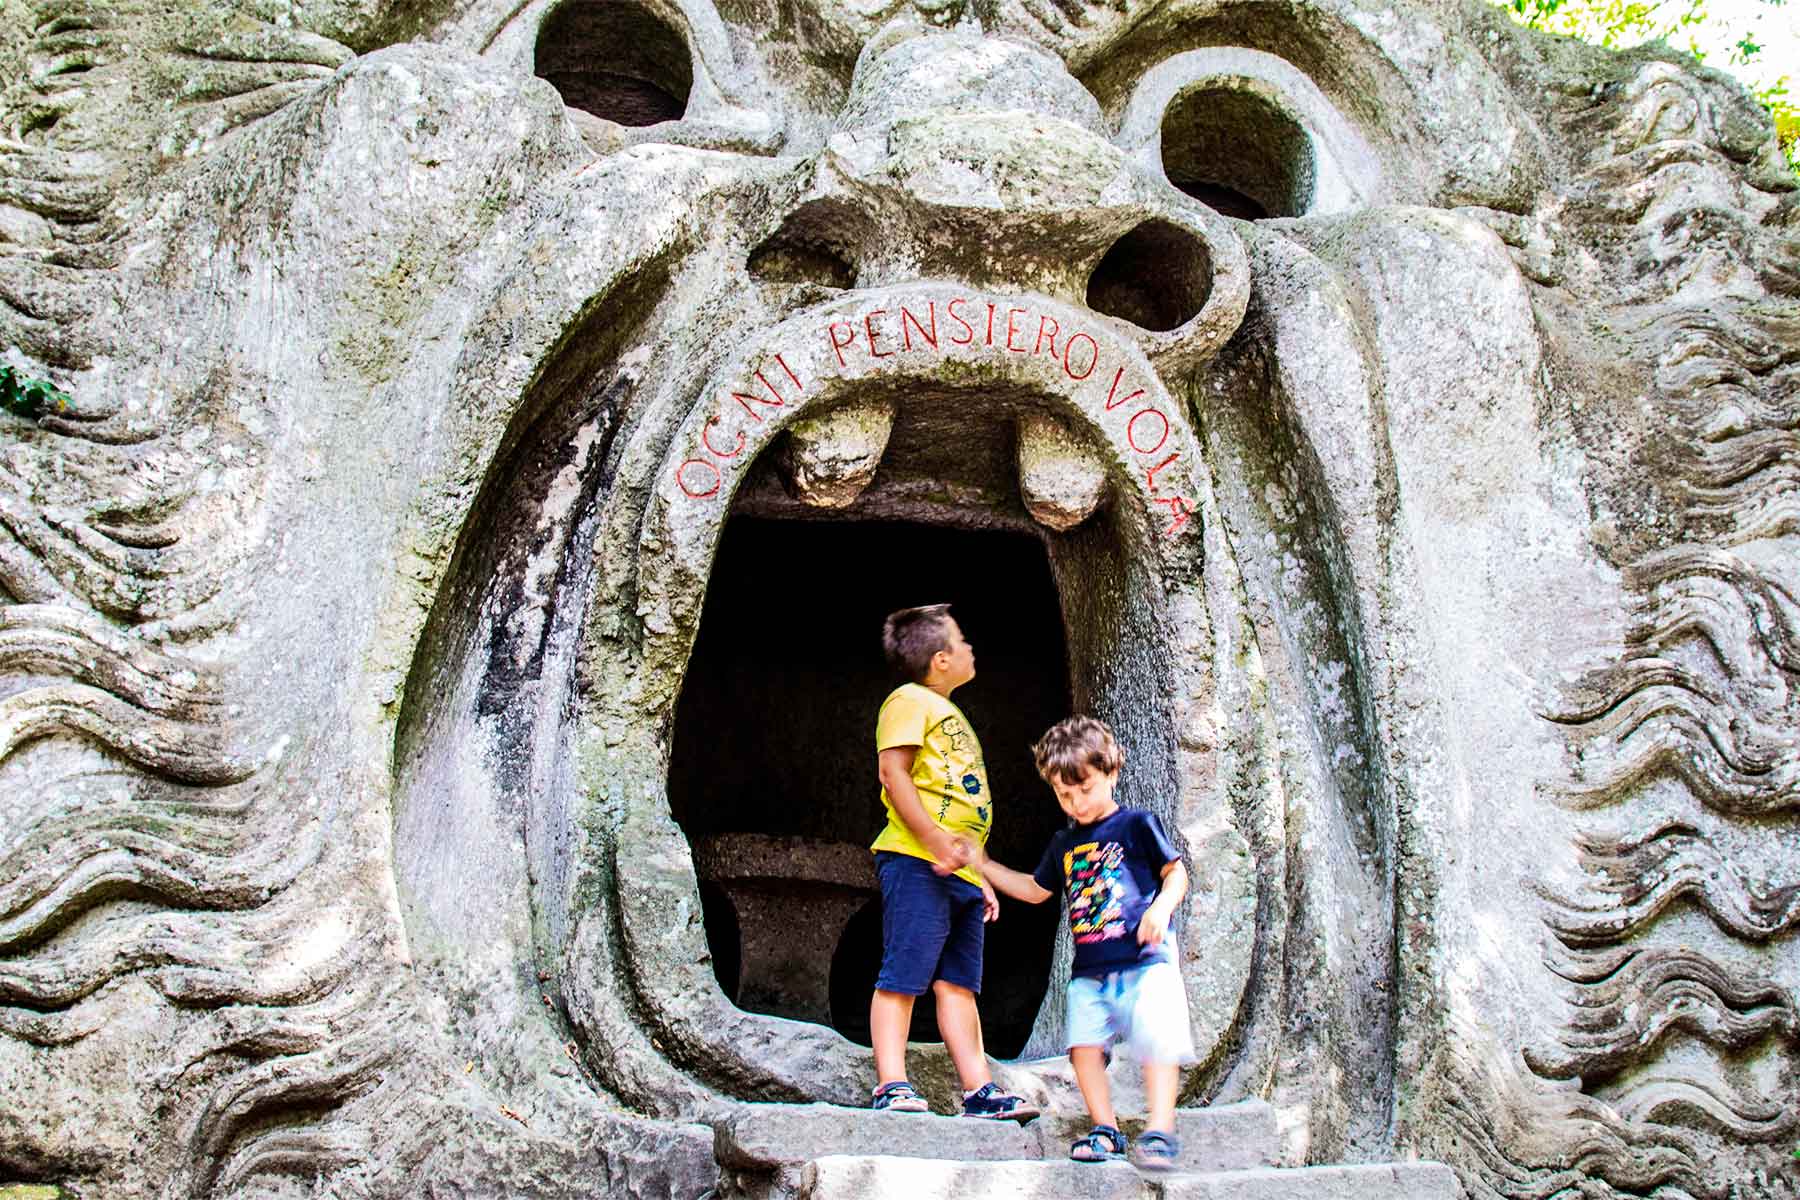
{"x":772,"y":771}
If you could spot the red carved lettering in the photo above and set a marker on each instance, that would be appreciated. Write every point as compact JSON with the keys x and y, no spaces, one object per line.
{"x":706,"y":440}
{"x":1043,"y":321}
{"x":1012,"y":327}
{"x":990,"y":337}
{"x":967,"y":328}
{"x":849,"y":338}
{"x":1114,"y":391}
{"x":1178,"y":513}
{"x":798,"y":386}
{"x":1069,"y":353}
{"x":681,"y":479}
{"x":931,"y":337}
{"x":764,"y":380}
{"x":1150,"y":473}
{"x":745,"y":400}
{"x":869,"y":328}
{"x":1131,"y":430}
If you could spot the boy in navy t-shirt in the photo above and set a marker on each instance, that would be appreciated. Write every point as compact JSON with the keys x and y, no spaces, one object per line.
{"x":1123,"y":878}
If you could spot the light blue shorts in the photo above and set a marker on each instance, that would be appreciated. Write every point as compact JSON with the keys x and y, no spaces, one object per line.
{"x":1143,"y":1008}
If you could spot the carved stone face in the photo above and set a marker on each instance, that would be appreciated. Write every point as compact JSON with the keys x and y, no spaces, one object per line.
{"x":444,"y":639}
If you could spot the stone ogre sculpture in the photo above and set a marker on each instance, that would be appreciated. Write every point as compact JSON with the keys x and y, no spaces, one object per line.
{"x":1393,"y":412}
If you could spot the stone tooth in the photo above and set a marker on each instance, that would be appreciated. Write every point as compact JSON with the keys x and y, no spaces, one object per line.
{"x":1060,"y":476}
{"x":832,"y":457}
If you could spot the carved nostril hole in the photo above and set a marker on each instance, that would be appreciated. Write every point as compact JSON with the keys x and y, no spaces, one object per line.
{"x":1238,"y":153}
{"x":1157,"y":276}
{"x":816,"y":244}
{"x":616,"y":60}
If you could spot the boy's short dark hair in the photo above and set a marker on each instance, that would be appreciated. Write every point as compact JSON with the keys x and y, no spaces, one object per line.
{"x":1074,"y":746}
{"x":911,"y":636}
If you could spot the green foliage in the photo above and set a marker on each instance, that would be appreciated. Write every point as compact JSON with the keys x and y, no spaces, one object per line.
{"x":1689,"y":25}
{"x":29,"y":398}
{"x":1787,"y":120}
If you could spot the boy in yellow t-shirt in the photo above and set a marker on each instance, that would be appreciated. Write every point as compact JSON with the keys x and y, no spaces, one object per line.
{"x":934,"y":902}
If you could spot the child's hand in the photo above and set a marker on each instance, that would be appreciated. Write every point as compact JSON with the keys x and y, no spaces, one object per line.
{"x":1152,"y":928}
{"x":990,"y":903}
{"x":957,"y":854}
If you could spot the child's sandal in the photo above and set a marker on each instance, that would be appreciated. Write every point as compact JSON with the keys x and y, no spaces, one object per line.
{"x":1103,"y":1143}
{"x":1156,"y":1151}
{"x":898,"y":1097}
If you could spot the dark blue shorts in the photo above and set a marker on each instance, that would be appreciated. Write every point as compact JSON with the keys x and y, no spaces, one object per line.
{"x":931,"y":927}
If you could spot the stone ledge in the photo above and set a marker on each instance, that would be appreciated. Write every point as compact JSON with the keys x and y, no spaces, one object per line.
{"x":770,"y":1135}
{"x":1374,"y":1181}
{"x":1230,"y":1137}
{"x":890,"y":1177}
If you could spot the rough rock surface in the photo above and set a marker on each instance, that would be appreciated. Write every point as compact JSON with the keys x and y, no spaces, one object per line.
{"x":1444,"y":385}
{"x":832,"y":457}
{"x":1059,"y":481}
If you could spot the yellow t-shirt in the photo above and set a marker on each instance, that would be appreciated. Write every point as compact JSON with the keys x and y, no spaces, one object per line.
{"x":948,"y":770}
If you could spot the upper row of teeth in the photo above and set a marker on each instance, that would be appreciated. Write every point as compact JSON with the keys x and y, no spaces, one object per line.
{"x":832,"y":457}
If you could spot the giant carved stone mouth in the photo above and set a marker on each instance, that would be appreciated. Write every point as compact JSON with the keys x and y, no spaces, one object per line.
{"x":697,"y":821}
{"x":941,"y":382}
{"x":369,"y":607}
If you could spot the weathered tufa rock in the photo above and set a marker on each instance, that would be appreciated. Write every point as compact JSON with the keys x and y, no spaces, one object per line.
{"x":1060,"y":479}
{"x":371,"y":822}
{"x":831,"y":458}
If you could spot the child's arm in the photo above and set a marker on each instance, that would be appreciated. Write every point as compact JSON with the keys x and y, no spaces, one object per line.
{"x":1016,"y":884}
{"x":894,"y":766}
{"x":1155,"y":923}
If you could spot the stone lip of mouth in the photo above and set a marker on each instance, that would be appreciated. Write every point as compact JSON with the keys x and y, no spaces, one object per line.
{"x":1009,"y":360}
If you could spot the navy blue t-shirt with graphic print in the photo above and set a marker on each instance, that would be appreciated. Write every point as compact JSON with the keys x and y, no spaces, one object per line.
{"x":1110,"y":872}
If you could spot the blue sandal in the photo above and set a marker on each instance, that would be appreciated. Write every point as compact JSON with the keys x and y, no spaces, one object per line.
{"x":1156,"y":1151}
{"x":1103,"y":1143}
{"x":988,"y":1102}
{"x":898,"y":1097}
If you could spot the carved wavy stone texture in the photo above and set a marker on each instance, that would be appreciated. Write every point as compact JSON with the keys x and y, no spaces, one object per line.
{"x":436,"y":641}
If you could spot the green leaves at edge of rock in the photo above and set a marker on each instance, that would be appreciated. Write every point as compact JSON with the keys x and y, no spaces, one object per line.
{"x":29,"y":398}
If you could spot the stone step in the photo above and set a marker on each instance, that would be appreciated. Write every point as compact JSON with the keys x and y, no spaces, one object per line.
{"x":872,"y":1177}
{"x":1224,"y":1137}
{"x":1227,"y":1137}
{"x":880,"y":1177}
{"x":766,"y":1136}
{"x":1369,"y":1181}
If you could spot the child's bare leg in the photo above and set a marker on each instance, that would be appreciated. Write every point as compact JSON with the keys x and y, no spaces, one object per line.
{"x":1090,"y":1075}
{"x":1161,"y":1081}
{"x":960,"y":1023}
{"x":890,"y":1020}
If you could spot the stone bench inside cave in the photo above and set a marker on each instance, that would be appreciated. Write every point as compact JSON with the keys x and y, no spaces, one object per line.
{"x":792,"y":899}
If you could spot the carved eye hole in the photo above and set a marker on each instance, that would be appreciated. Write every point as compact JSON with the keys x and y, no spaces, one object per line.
{"x":817,"y":243}
{"x":616,"y":60}
{"x":1157,"y":276}
{"x":1238,"y":153}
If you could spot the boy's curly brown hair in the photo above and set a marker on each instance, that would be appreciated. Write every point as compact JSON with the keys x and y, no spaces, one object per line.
{"x":1074,"y":746}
